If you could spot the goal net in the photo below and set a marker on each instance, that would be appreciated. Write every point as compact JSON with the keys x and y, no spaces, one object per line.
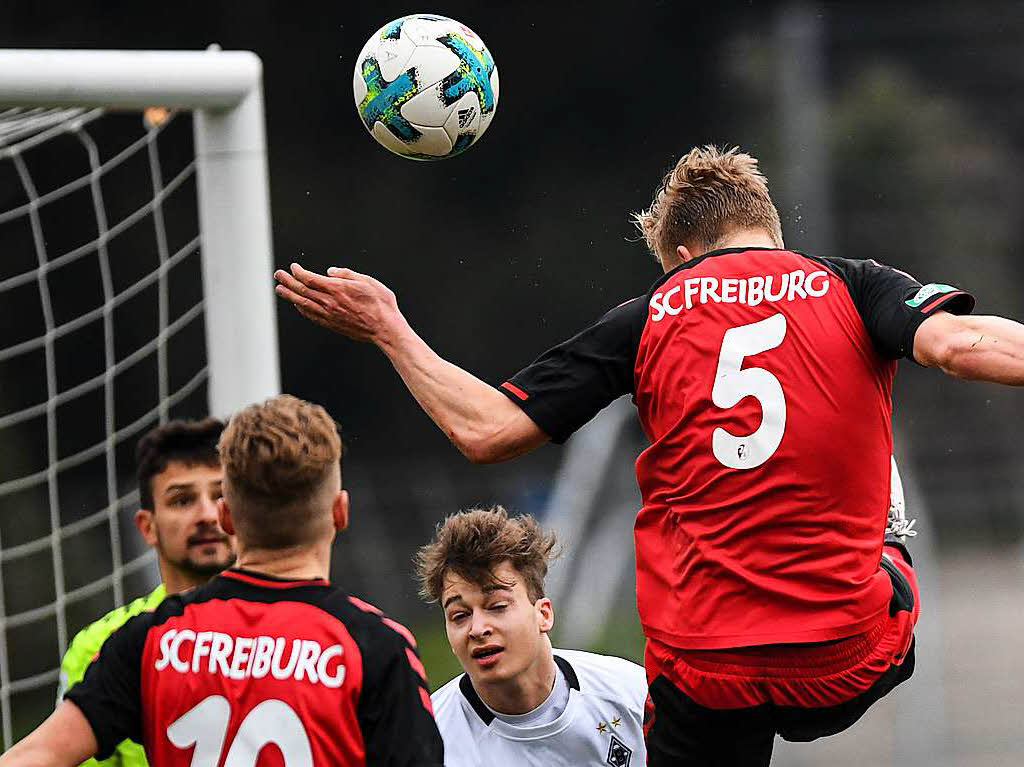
{"x":135,"y":287}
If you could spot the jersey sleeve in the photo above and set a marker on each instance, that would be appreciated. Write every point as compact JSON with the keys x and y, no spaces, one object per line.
{"x":395,"y":712}
{"x":110,"y":692}
{"x":82,"y":650}
{"x":893,"y":304}
{"x":571,"y":383}
{"x":87,"y":642}
{"x":80,"y":654}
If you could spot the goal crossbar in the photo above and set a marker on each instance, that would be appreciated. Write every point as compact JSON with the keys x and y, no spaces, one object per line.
{"x":209,"y":79}
{"x":224,"y":90}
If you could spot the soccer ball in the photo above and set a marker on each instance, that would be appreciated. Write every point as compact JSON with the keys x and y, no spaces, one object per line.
{"x":425,"y":87}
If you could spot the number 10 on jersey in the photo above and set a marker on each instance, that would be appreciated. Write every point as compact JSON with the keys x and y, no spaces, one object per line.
{"x":272,"y":721}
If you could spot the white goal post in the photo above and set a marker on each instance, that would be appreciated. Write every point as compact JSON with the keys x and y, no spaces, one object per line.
{"x":46,"y":95}
{"x":224,"y":91}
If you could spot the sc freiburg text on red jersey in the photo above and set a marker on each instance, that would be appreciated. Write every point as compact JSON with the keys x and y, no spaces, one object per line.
{"x":763,"y":380}
{"x":254,"y":671}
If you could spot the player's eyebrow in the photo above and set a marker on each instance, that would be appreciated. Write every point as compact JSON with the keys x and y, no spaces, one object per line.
{"x":492,"y":587}
{"x":449,"y":600}
{"x":179,"y":486}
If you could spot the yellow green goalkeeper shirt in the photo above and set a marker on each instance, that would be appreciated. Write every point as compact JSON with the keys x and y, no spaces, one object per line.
{"x":84,"y":649}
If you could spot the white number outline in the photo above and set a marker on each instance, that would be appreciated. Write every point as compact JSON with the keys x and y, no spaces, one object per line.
{"x":733,"y":383}
{"x":205,"y":726}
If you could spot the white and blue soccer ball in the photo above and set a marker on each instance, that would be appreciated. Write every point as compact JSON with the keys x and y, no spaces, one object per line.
{"x":426,"y":87}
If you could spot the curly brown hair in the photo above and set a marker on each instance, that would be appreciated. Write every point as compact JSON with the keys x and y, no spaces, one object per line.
{"x":709,"y":194}
{"x":472,"y":543}
{"x":278,"y":456}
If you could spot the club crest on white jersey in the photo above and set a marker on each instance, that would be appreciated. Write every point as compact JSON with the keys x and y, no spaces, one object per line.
{"x":601,"y":725}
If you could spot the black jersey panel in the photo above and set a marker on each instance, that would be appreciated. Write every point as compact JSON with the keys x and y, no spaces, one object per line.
{"x":569,"y":384}
{"x":893,"y":304}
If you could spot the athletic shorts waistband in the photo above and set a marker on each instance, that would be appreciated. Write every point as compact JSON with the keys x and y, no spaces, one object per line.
{"x":787,"y":660}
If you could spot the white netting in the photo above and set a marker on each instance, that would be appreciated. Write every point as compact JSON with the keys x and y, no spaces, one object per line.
{"x":101,"y":338}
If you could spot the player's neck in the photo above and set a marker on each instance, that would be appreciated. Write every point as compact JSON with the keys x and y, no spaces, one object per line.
{"x":297,"y":563}
{"x":746,"y":238}
{"x":524,"y":692}
{"x":176,"y":582}
{"x":741,"y":238}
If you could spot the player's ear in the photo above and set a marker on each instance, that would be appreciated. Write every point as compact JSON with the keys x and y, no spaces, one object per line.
{"x":144,"y":524}
{"x":340,"y":510}
{"x":546,"y":613}
{"x":684,"y":254}
{"x":227,"y":524}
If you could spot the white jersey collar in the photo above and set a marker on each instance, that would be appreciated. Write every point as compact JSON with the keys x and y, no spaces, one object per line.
{"x":507,"y":730}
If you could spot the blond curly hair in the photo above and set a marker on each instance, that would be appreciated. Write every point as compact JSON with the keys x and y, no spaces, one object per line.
{"x":709,"y":194}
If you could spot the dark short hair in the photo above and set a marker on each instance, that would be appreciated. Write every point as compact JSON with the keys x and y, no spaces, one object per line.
{"x":473,"y":543}
{"x":277,"y":454}
{"x":188,"y":442}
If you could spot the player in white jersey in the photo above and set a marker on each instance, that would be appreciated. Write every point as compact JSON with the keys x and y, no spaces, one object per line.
{"x":521,"y":702}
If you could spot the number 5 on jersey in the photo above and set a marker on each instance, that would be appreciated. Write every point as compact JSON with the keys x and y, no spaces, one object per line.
{"x":732,"y":384}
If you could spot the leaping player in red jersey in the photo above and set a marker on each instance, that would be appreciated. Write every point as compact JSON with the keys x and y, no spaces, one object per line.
{"x":268,"y":664}
{"x":772,"y":599}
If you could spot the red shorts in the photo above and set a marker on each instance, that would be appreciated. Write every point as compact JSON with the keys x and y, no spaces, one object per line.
{"x":722,"y":708}
{"x":804,"y":676}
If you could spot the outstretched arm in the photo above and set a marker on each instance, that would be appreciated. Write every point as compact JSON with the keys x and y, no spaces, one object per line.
{"x":973,"y":347}
{"x":482,"y":422}
{"x":65,"y":739}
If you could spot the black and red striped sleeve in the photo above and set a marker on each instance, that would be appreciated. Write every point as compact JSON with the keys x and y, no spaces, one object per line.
{"x":395,"y":713}
{"x":893,"y":304}
{"x":571,"y":383}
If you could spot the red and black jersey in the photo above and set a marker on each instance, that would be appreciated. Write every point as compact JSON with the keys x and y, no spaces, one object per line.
{"x":253,"y":671}
{"x":763,"y":380}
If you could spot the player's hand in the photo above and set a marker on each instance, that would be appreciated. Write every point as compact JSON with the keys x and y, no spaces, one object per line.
{"x":347,"y":302}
